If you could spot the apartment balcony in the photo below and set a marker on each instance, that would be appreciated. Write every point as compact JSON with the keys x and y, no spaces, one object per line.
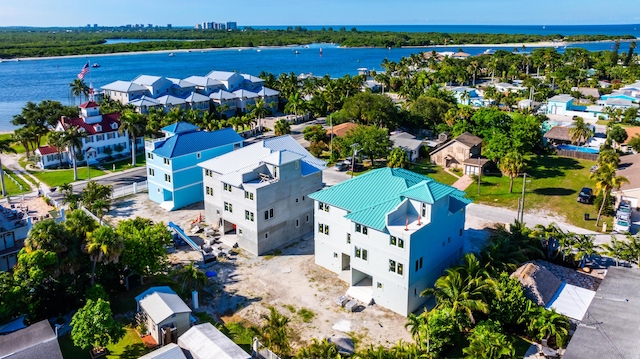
{"x":151,"y":145}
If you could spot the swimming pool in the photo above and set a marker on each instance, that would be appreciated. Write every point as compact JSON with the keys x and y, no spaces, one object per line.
{"x":578,"y":148}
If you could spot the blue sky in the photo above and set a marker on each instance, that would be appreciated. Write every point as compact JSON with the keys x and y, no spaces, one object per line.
{"x":318,"y":12}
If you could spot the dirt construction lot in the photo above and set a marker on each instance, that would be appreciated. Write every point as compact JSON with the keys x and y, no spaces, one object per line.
{"x":290,"y":281}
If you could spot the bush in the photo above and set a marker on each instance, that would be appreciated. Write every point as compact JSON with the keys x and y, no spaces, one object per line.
{"x":608,"y":206}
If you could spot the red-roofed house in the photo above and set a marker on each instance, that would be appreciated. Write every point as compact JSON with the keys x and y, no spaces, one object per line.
{"x":103,"y":139}
{"x":48,"y":156}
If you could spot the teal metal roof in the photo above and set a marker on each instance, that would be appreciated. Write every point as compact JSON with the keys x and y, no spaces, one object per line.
{"x":374,"y":216}
{"x":369,"y":197}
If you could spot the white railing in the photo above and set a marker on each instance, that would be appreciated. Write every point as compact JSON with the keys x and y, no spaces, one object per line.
{"x":259,"y":351}
{"x":127,"y":190}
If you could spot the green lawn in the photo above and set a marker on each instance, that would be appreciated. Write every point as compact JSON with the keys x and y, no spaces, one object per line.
{"x":130,"y":346}
{"x":12,"y":188}
{"x":56,"y":178}
{"x":18,"y":147}
{"x":606,"y":122}
{"x":125,"y":164}
{"x":425,"y":167}
{"x":553,"y":184}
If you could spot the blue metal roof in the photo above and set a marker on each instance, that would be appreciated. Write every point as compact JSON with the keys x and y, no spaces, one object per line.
{"x":369,"y":197}
{"x":180,"y":127}
{"x":183,"y":143}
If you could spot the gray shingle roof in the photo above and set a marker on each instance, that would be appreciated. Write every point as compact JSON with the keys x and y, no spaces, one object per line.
{"x":37,"y":341}
{"x":610,"y":328}
{"x":123,"y":86}
{"x":468,"y":139}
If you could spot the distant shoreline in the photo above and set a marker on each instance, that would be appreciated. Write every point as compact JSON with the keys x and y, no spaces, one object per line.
{"x":517,"y":45}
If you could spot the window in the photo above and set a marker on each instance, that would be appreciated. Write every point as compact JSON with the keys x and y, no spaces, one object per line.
{"x":110,"y":135}
{"x":198,"y":155}
{"x":297,"y":223}
{"x":266,"y":235}
{"x":248,"y":216}
{"x":227,"y":187}
{"x":296,"y":200}
{"x":323,"y":228}
{"x":460,"y":232}
{"x":150,"y":155}
{"x":248,"y":195}
{"x":419,"y":264}
{"x":152,"y":172}
{"x":100,"y":137}
{"x":424,"y":210}
{"x":228,"y":207}
{"x":208,"y":173}
{"x":323,"y":206}
{"x":268,"y":214}
{"x":364,"y":254}
{"x":167,"y":177}
{"x":335,"y":255}
{"x":395,"y":267}
{"x":167,"y":161}
{"x":358,"y":252}
{"x":307,"y":218}
{"x":364,"y":230}
{"x":358,"y":228}
{"x":209,"y":190}
{"x":449,"y":240}
{"x":348,"y":238}
{"x":379,"y":285}
{"x":393,"y":240}
{"x":400,"y":243}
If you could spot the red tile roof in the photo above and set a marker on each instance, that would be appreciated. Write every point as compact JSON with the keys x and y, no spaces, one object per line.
{"x":89,"y":104}
{"x":107,"y":121}
{"x":48,"y":150}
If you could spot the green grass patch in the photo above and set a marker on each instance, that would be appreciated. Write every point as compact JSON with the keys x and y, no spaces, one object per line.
{"x":125,"y":164}
{"x":606,"y":122}
{"x":56,"y":178}
{"x":553,"y":184}
{"x":130,"y":346}
{"x":18,"y":147}
{"x":240,"y":333}
{"x":425,"y":167}
{"x":11,"y":187}
{"x":306,"y":315}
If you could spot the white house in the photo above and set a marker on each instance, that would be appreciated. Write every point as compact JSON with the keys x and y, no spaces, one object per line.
{"x":164,"y":313}
{"x":103,"y":139}
{"x":156,"y":85}
{"x":124,"y":91}
{"x":258,"y":195}
{"x":390,"y":233}
{"x":50,"y":156}
{"x":408,"y":143}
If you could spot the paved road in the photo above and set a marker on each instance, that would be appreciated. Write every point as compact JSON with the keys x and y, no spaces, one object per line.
{"x":117,"y":179}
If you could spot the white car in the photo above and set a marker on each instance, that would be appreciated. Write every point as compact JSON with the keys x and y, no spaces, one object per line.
{"x":621,"y":225}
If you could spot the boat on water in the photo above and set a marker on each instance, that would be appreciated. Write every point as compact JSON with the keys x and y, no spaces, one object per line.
{"x":95,"y":65}
{"x":306,"y":46}
{"x":171,"y":54}
{"x":258,"y":50}
{"x":297,"y":52}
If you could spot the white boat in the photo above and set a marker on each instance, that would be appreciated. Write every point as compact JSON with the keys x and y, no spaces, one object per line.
{"x":172,"y":54}
{"x":306,"y":46}
{"x":297,"y":52}
{"x":258,"y":50}
{"x":95,"y":65}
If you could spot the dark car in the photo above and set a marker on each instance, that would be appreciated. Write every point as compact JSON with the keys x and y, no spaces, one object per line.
{"x":341,"y":166}
{"x":585,"y":195}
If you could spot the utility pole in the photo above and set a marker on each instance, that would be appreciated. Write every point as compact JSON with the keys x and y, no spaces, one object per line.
{"x":479,"y":174}
{"x":524,"y":186}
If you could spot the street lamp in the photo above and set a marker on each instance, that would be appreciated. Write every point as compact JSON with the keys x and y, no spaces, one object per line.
{"x":353,"y":157}
{"x":520,"y":215}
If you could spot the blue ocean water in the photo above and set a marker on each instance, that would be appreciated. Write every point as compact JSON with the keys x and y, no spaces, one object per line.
{"x":41,"y":79}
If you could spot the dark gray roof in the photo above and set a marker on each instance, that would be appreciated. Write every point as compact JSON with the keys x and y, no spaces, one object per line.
{"x":37,"y":341}
{"x":610,"y":327}
{"x":468,"y":139}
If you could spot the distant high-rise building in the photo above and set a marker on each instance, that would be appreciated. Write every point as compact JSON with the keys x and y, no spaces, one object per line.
{"x":169,"y":26}
{"x":88,"y":25}
{"x":232,"y":25}
{"x":150,"y":25}
{"x":197,"y":26}
{"x":95,"y":25}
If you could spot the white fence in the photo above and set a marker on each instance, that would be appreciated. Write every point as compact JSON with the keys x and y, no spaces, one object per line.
{"x":133,"y":188}
{"x":259,"y":351}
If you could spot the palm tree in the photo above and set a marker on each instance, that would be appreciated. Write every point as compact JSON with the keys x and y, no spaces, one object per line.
{"x":397,"y":158}
{"x":103,"y":245}
{"x":192,"y":277}
{"x":79,"y":224}
{"x":282,"y":127}
{"x":545,"y":324}
{"x":457,"y":294}
{"x":79,"y":88}
{"x":547,"y":235}
{"x":487,"y":342}
{"x":580,"y":132}
{"x":275,"y":332}
{"x":585,"y":247}
{"x":511,"y":165}
{"x":319,"y":350}
{"x":5,"y":146}
{"x":132,"y":123}
{"x":72,"y":139}
{"x":56,"y":139}
{"x":100,"y":207}
{"x":606,"y":180}
{"x":295,"y":104}
{"x":46,"y":235}
{"x":259,"y":111}
{"x":419,"y":325}
{"x":615,"y":249}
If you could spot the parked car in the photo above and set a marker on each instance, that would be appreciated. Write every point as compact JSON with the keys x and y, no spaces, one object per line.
{"x":341,"y":166}
{"x":624,"y":210}
{"x":585,"y":195}
{"x":621,"y":225}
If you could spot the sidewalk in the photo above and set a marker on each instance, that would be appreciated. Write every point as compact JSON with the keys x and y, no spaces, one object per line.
{"x":463,"y":182}
{"x":11,"y":163}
